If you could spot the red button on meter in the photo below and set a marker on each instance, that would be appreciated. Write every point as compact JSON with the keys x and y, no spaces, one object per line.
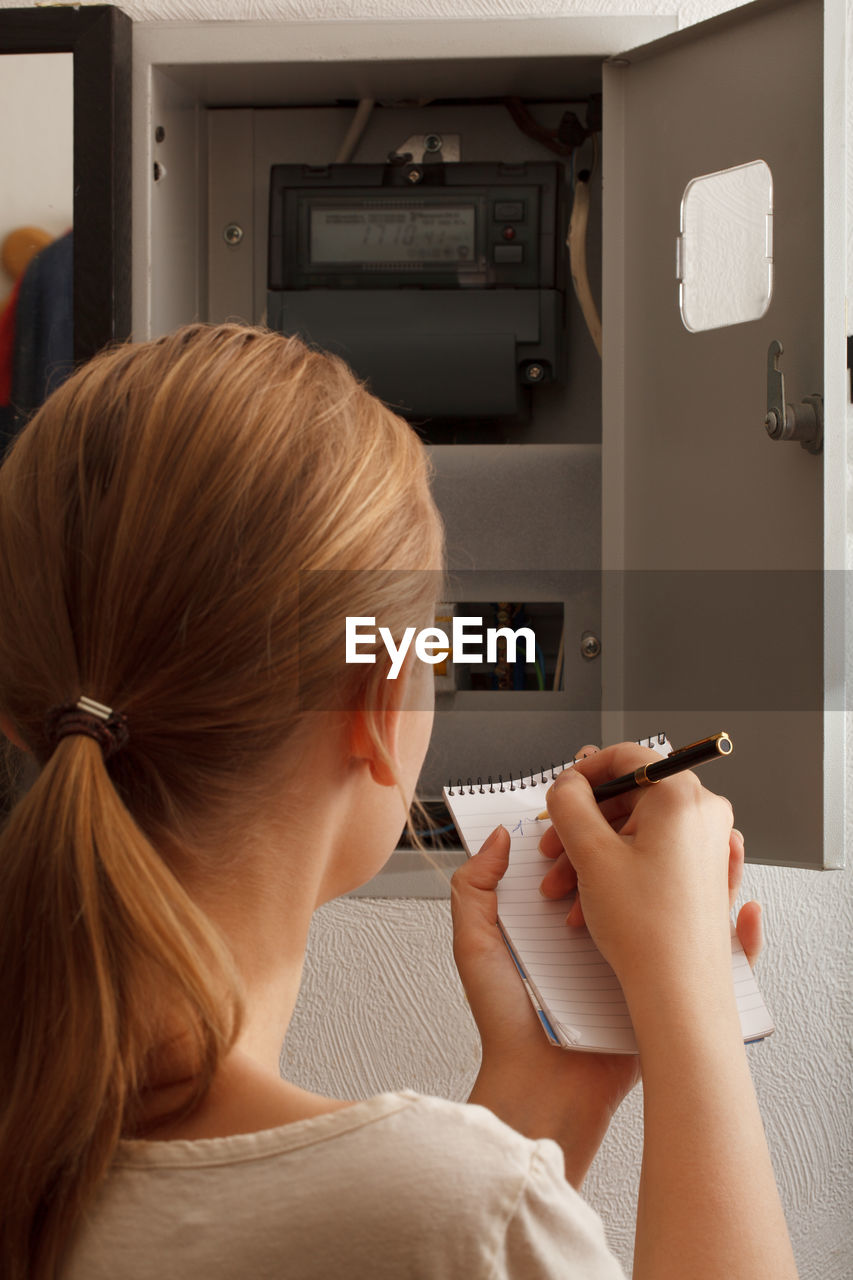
{"x":508,"y":233}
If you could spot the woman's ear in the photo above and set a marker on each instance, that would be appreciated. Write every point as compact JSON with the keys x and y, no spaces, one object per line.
{"x":9,"y":731}
{"x":386,"y":721}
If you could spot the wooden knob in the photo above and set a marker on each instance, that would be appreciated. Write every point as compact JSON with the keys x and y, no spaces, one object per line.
{"x":20,"y":247}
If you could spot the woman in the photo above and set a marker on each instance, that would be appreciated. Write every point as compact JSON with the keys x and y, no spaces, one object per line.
{"x":185,"y":525}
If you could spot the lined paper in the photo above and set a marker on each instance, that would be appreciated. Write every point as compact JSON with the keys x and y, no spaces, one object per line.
{"x":567,"y":976}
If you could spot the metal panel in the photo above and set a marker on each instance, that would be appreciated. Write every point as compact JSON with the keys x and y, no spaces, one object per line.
{"x":521,"y":524}
{"x":230,"y":215}
{"x":691,"y":480}
{"x":169,"y":204}
{"x":266,"y":63}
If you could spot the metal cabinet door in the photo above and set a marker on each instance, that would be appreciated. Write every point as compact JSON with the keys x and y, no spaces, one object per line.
{"x":723,"y":550}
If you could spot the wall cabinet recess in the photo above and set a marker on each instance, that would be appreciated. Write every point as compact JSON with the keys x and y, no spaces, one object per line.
{"x":684,"y":559}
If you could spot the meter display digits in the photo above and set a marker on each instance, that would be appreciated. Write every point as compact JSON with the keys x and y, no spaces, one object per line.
{"x":382,"y":232}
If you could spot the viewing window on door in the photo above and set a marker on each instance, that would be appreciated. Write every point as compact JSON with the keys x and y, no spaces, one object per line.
{"x":725,"y":247}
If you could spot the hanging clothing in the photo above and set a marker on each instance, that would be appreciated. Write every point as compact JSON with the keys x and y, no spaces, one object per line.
{"x":43,"y":349}
{"x":7,"y":357}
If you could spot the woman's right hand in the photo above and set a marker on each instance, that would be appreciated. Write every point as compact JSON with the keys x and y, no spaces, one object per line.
{"x":653,"y":870}
{"x":652,"y":867}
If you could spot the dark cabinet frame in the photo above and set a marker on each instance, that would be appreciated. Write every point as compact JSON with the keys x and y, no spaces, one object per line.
{"x":99,"y":37}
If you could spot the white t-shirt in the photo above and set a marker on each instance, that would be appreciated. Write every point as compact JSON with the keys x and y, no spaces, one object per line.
{"x":399,"y":1187}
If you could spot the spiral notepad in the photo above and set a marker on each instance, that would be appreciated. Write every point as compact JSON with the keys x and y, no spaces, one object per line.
{"x":572,"y":987}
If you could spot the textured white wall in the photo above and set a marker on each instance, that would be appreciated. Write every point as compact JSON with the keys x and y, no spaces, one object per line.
{"x":315,"y":10}
{"x":381,"y":1005}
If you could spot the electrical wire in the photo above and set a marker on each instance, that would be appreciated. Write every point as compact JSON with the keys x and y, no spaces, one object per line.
{"x":540,"y":667}
{"x":576,"y":242}
{"x":528,"y":125}
{"x":346,"y":150}
{"x":558,"y":669}
{"x":566,"y":140}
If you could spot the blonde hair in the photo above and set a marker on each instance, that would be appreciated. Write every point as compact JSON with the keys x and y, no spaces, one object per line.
{"x":158,"y":518}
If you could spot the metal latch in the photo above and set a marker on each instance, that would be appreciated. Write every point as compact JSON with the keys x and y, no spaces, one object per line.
{"x":803,"y":422}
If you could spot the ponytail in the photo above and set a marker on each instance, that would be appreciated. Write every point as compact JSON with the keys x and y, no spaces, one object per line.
{"x":157,"y":515}
{"x":99,"y":941}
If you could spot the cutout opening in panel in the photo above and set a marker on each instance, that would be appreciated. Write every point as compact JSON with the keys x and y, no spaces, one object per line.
{"x":500,"y":635}
{"x":725,"y":249}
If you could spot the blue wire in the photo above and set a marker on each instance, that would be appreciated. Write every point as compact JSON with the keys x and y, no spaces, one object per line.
{"x":540,"y":667}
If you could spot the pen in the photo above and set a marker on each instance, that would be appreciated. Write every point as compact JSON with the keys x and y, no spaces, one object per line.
{"x":719,"y":744}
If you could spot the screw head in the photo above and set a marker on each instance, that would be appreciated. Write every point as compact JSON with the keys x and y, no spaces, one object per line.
{"x":534,"y":372}
{"x":414,"y":176}
{"x":590,"y":645}
{"x":233,"y":233}
{"x":432,"y":142}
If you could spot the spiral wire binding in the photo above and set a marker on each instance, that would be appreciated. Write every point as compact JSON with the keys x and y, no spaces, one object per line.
{"x":471,"y":789}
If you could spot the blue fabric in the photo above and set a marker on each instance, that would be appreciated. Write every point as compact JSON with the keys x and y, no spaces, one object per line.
{"x":44,"y":329}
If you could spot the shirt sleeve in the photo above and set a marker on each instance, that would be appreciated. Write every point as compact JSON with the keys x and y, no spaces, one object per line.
{"x":553,"y":1233}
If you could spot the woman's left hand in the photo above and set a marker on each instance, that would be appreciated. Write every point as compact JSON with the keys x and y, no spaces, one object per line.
{"x":540,"y":1090}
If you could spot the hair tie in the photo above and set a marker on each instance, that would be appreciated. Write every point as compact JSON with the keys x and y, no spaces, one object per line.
{"x":93,"y":719}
